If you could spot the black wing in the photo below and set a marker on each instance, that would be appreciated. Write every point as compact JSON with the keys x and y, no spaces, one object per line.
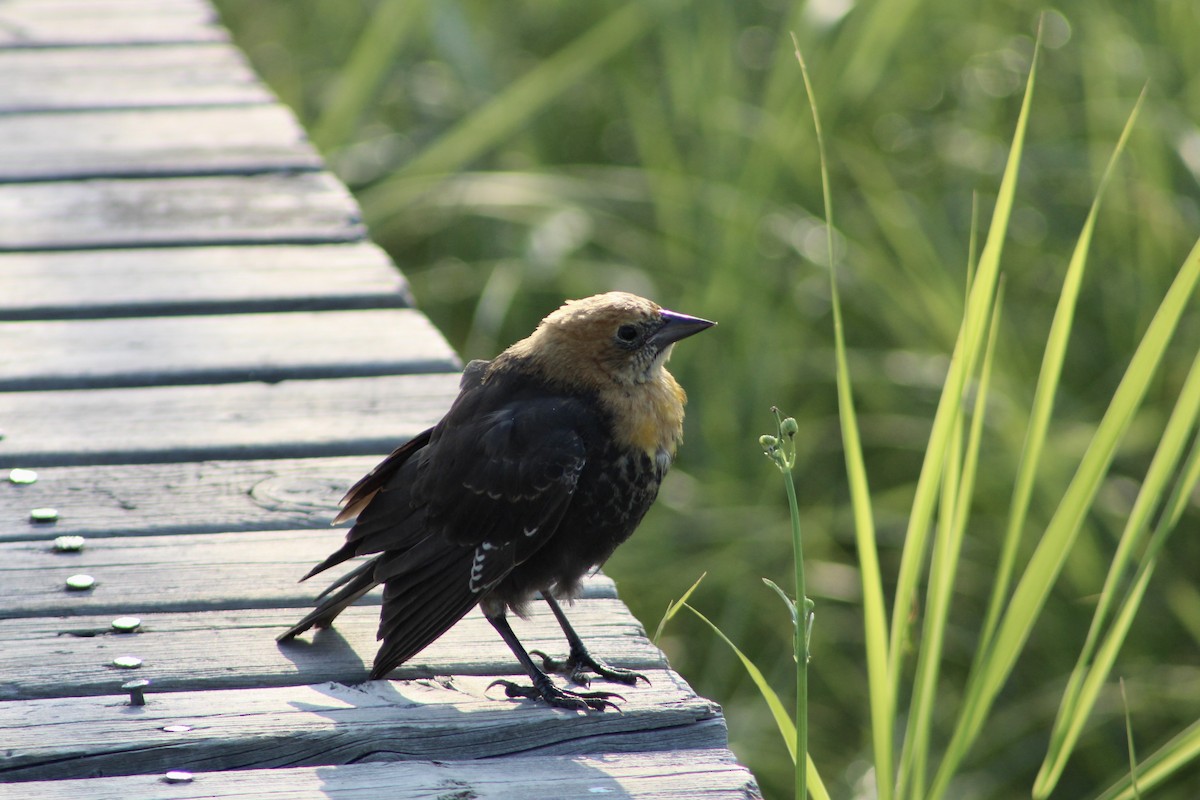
{"x":490,"y":489}
{"x":388,"y":517}
{"x":452,"y":512}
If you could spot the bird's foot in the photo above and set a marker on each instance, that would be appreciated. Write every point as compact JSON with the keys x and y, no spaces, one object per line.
{"x":579,"y":663}
{"x":559,"y":698}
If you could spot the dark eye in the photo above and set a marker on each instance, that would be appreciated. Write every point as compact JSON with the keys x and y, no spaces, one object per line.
{"x":627,"y":333}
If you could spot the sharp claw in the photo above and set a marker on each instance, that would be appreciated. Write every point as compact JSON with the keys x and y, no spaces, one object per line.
{"x":548,"y":663}
{"x":603,"y":705}
{"x":626,"y":676}
{"x":559,"y":698}
{"x":633,"y":677}
{"x":511,"y":690}
{"x":577,"y":666}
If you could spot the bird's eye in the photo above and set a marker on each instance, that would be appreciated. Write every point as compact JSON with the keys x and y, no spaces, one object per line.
{"x":627,"y":333}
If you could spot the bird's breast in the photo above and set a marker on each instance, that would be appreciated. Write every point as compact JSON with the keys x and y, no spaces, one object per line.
{"x":648,"y":417}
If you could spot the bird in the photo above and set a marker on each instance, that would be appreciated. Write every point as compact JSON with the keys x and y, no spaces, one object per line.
{"x":547,"y":460}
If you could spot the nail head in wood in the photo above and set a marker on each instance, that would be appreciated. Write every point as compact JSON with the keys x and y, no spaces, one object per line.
{"x":68,"y":544}
{"x":137,"y":691}
{"x":80,"y":583}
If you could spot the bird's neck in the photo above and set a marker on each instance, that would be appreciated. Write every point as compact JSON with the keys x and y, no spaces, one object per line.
{"x":647,"y":416}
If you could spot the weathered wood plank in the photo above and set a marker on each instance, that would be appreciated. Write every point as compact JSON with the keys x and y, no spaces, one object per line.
{"x":244,"y":209}
{"x":227,"y":348}
{"x":59,"y":79}
{"x":333,"y":417}
{"x":450,"y":717}
{"x":197,"y":280}
{"x":708,"y":774}
{"x":74,"y":145}
{"x":138,"y":575}
{"x":205,"y":497}
{"x":237,"y":649}
{"x":58,"y":23}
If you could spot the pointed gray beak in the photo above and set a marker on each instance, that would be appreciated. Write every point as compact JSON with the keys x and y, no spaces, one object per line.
{"x":678,"y":326}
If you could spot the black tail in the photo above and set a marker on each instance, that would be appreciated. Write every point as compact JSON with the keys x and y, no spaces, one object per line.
{"x":351,"y":586}
{"x":431,"y":593}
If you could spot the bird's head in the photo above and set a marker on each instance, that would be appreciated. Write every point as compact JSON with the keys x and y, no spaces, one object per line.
{"x":608,"y":338}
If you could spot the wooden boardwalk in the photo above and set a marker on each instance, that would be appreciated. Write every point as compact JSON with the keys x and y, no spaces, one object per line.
{"x":199,"y":352}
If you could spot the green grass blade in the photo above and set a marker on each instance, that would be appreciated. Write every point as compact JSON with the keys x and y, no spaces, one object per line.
{"x":979,"y":302}
{"x":674,"y":606}
{"x":877,"y":28}
{"x":517,"y":104}
{"x":783,"y":721}
{"x":943,"y":570}
{"x":1164,"y":762}
{"x":1048,"y":558}
{"x":1044,"y":394}
{"x":1133,"y":779}
{"x":358,"y":84}
{"x":816,"y":787}
{"x":935,"y":297}
{"x":879,"y":689}
{"x":1088,"y":677}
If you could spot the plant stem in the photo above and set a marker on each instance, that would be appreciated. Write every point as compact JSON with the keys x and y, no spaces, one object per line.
{"x":782,"y":450}
{"x":800,"y":644}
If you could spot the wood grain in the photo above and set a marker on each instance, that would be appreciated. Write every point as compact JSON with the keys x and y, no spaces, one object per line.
{"x":75,"y":145}
{"x":200,"y":352}
{"x":190,"y":497}
{"x":198,"y":280}
{"x":237,"y":649}
{"x":226,"y":348}
{"x":139,"y":575}
{"x":171,"y":75}
{"x":449,"y":717}
{"x":701,"y":774}
{"x":59,"y":23}
{"x":293,"y":419}
{"x":256,"y":209}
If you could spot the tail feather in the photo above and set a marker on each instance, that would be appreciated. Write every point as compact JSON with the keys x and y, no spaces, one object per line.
{"x":350,"y":586}
{"x":362,"y":493}
{"x":419,"y":608}
{"x":354,"y":574}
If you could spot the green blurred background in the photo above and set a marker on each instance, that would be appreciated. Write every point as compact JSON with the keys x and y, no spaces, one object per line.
{"x":509,"y":155}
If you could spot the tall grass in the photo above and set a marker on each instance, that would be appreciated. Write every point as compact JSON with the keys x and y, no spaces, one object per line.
{"x":511,"y":155}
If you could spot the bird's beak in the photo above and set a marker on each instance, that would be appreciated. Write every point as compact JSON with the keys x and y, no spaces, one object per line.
{"x":678,"y":326}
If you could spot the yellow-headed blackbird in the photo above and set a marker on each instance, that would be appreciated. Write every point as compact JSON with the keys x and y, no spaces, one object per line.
{"x":547,"y":460}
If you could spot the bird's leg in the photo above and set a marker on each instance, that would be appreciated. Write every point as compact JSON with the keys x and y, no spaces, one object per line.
{"x":579,"y":661}
{"x":543,"y":687}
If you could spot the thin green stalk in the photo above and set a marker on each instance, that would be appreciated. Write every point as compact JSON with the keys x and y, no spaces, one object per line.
{"x":1129,"y":738}
{"x":1182,"y":750}
{"x":816,"y":786}
{"x":781,"y":449}
{"x":801,"y":639}
{"x":882,"y":704}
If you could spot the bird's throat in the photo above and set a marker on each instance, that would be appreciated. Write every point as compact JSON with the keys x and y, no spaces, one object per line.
{"x":648,"y":416}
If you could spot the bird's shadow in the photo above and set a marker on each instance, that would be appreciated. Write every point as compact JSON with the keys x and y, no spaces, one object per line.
{"x":540,"y":777}
{"x":326,"y":656}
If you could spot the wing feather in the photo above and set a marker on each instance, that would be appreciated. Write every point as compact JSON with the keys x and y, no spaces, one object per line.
{"x":455,"y":510}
